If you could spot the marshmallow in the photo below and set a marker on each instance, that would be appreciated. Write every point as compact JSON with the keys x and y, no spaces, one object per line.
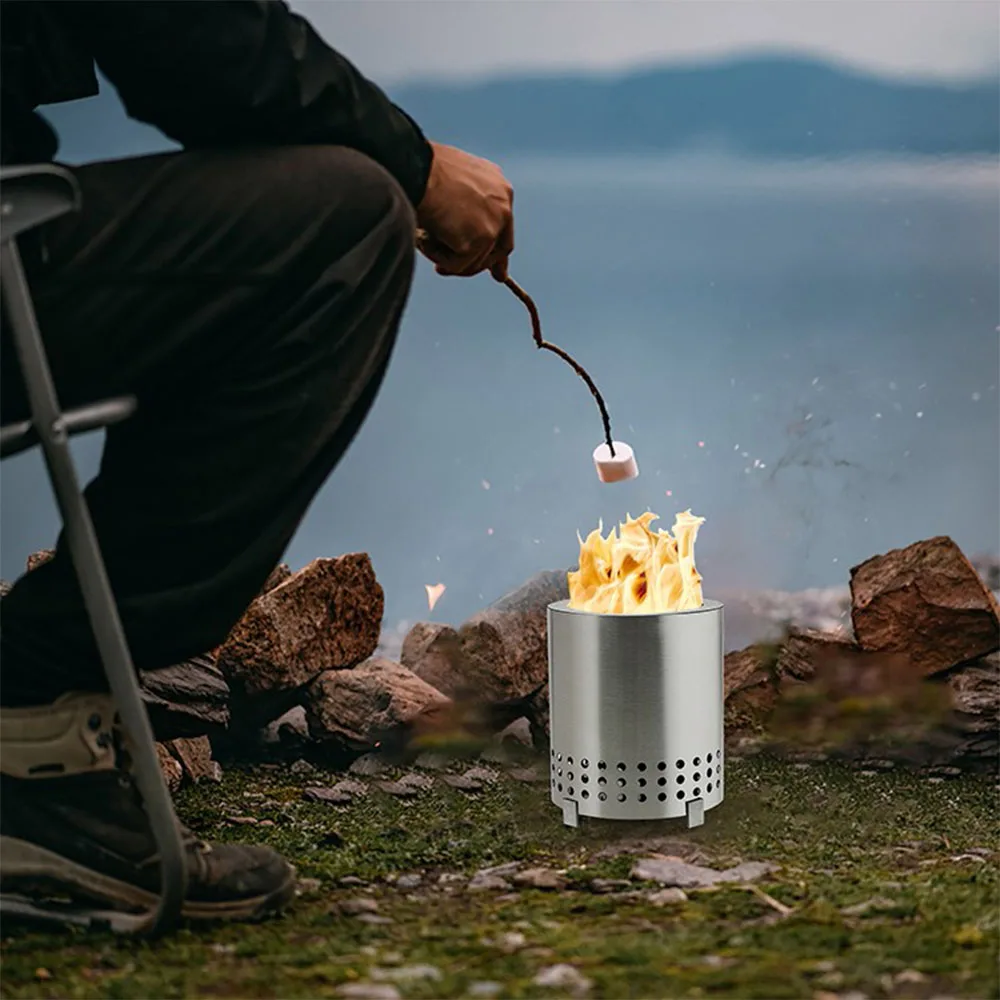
{"x":615,"y":468}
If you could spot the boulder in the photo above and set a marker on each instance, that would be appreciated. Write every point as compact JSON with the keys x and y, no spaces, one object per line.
{"x":504,"y":647}
{"x":185,"y":700}
{"x":433,"y":652}
{"x":361,"y":708}
{"x":750,"y":685}
{"x":928,"y":601}
{"x":195,"y":758}
{"x":325,"y":617}
{"x":173,"y":774}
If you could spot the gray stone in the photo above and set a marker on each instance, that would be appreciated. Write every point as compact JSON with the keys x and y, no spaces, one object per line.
{"x":877,"y":904}
{"x":485,"y":989}
{"x":398,"y":789}
{"x":408,"y":882}
{"x":367,"y":991}
{"x":668,"y":897}
{"x":605,"y":885}
{"x":358,"y":905}
{"x":674,"y":872}
{"x":540,"y":878}
{"x":407,"y":974}
{"x":368,"y":765}
{"x":302,"y":767}
{"x":488,"y":883}
{"x":564,"y":977}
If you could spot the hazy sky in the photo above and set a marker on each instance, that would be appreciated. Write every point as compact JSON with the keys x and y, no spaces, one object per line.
{"x":398,"y":39}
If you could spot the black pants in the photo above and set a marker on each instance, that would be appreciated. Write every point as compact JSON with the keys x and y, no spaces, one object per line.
{"x":250,"y":300}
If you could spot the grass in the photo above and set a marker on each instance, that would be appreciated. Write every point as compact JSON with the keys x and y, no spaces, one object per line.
{"x":842,"y":837}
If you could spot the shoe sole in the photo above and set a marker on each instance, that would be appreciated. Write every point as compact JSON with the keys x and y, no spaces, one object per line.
{"x":25,"y":864}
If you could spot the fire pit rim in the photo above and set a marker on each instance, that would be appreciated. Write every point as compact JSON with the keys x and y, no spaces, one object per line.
{"x":563,"y":606}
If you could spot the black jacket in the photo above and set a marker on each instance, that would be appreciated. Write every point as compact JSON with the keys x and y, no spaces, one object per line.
{"x":205,"y":72}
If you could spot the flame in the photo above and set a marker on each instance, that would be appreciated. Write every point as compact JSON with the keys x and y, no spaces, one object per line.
{"x":434,"y":592}
{"x":638,"y":572}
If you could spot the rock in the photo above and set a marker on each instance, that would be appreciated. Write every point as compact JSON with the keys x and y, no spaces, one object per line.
{"x":536,"y":711}
{"x":504,"y":647}
{"x":431,"y":760}
{"x":289,"y":730}
{"x":367,"y":991}
{"x":307,"y":886}
{"x":340,"y":794}
{"x":368,"y":765}
{"x":5,"y":588}
{"x":462,"y":782}
{"x":276,"y":578}
{"x":325,"y":617}
{"x":171,"y":768}
{"x":433,"y":652}
{"x":398,"y":789}
{"x":507,"y":868}
{"x":409,"y":882}
{"x":516,"y":735}
{"x":485,"y":989}
{"x":37,"y":559}
{"x":674,"y":872}
{"x":606,"y":885}
{"x":564,"y":977}
{"x":301,"y":767}
{"x":358,"y":905}
{"x":488,"y":883}
{"x":528,"y":775}
{"x":509,"y":942}
{"x":540,"y":878}
{"x":421,"y":782}
{"x":668,"y":897}
{"x":408,"y":974}
{"x":878,"y":904}
{"x":750,"y":685}
{"x":186,"y":700}
{"x":242,"y":820}
{"x":928,"y":601}
{"x":361,"y":707}
{"x":195,"y":756}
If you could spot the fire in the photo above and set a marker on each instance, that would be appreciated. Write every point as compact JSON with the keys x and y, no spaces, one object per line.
{"x":638,"y":572}
{"x":434,"y":592}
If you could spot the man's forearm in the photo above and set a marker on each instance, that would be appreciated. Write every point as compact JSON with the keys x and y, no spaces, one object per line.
{"x":241,"y":72}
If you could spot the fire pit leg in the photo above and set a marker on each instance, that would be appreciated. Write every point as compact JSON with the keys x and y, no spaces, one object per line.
{"x":695,"y":812}
{"x":571,"y":815}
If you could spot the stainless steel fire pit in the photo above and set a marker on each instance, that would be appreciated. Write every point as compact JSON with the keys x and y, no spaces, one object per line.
{"x":636,"y":705}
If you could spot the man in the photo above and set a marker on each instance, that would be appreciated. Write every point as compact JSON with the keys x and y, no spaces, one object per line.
{"x":248,"y":291}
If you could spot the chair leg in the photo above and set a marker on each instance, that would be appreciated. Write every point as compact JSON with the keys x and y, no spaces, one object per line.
{"x":97,"y":596}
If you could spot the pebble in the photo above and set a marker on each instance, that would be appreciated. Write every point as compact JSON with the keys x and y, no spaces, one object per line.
{"x":946,"y":772}
{"x":564,"y":977}
{"x":509,"y":942}
{"x":603,"y":885}
{"x":421,"y":782}
{"x":488,"y":883}
{"x":242,"y":820}
{"x":527,"y":775}
{"x":507,"y":868}
{"x":358,"y":905}
{"x":484,"y":989}
{"x":909,"y":976}
{"x":367,"y":991}
{"x":349,"y":880}
{"x":368,"y":765}
{"x":407,"y":882}
{"x":374,"y":919}
{"x":266,"y":822}
{"x":307,"y":886}
{"x":540,"y":878}
{"x":668,"y":897}
{"x":398,"y":789}
{"x":302,"y":767}
{"x":451,"y":878}
{"x":935,"y":781}
{"x":407,"y":974}
{"x":432,"y":761}
{"x":876,"y":904}
{"x":674,"y":872}
{"x":462,"y":783}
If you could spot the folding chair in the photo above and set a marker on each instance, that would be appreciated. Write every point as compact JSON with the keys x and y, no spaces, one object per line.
{"x":29,"y":197}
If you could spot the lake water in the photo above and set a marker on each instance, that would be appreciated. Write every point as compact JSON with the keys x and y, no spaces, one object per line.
{"x":807,"y":355}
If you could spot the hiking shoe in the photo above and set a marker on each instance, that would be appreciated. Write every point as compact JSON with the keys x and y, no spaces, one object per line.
{"x":72,"y":824}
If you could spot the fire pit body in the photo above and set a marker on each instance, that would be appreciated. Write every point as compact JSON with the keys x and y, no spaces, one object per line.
{"x":636,"y":710}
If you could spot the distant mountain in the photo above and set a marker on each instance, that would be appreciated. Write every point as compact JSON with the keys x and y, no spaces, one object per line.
{"x":764,"y":106}
{"x":771,"y":107}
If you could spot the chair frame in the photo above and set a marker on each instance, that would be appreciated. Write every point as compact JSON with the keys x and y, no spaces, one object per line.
{"x":30,"y":196}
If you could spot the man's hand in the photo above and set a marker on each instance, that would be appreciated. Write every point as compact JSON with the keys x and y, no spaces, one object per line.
{"x":468,"y":215}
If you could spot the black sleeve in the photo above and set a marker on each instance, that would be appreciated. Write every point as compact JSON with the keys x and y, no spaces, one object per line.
{"x":230,"y":72}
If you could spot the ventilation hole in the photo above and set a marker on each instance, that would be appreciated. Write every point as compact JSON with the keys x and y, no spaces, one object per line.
{"x":696,"y":792}
{"x":680,"y":795}
{"x":559,"y":758}
{"x":680,"y":779}
{"x":585,"y":778}
{"x":641,"y":767}
{"x":710,"y":772}
{"x":661,"y":781}
{"x":559,"y":772}
{"x":710,"y":758}
{"x":708,"y":787}
{"x":602,"y":765}
{"x":559,"y":786}
{"x":622,"y":782}
{"x":621,"y":798}
{"x":621,"y":766}
{"x":584,"y":762}
{"x":662,"y":796}
{"x":696,"y":761}
{"x":679,"y":765}
{"x":662,"y":766}
{"x":642,"y":782}
{"x":602,"y":780}
{"x":552,"y":753}
{"x":569,"y":777}
{"x":585,"y":794}
{"x":642,"y":798}
{"x":603,"y":796}
{"x":569,"y":760}
{"x":569,"y":791}
{"x":696,"y":776}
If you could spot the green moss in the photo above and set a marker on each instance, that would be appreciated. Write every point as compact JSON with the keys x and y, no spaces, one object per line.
{"x":842,"y":838}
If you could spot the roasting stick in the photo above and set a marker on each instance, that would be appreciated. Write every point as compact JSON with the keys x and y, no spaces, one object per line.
{"x":614,"y":460}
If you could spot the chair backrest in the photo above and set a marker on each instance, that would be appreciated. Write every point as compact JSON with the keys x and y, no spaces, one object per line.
{"x":32,"y":195}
